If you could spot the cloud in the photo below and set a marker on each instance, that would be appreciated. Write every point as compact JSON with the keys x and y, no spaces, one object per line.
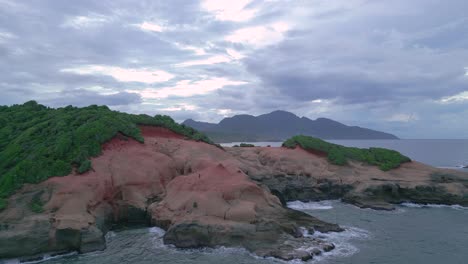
{"x":366,"y":63}
{"x":141,"y":75}
{"x":458,"y":98}
{"x":234,"y":54}
{"x":6,"y":36}
{"x":84,"y":98}
{"x":180,"y":107}
{"x":227,"y":10}
{"x":147,"y":26}
{"x":196,"y":50}
{"x":84,"y":22}
{"x":208,"y":61}
{"x":259,"y":36}
{"x":405,"y":118}
{"x":187,"y":88}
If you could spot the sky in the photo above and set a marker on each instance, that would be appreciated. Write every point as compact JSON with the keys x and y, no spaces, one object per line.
{"x":393,"y":65}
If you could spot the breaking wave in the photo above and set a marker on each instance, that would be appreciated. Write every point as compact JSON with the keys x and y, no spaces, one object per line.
{"x":322,"y":205}
{"x":413,"y":205}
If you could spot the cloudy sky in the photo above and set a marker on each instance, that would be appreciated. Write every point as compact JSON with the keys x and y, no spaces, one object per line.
{"x":394,"y":65}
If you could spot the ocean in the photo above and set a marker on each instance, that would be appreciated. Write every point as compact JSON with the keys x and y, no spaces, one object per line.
{"x":415,"y":234}
{"x":411,"y":234}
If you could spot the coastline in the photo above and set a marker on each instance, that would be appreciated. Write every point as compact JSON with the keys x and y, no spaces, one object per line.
{"x":269,"y":174}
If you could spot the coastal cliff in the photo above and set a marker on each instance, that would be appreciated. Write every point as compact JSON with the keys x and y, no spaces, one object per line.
{"x":194,"y":190}
{"x":298,"y":174}
{"x":166,"y":175}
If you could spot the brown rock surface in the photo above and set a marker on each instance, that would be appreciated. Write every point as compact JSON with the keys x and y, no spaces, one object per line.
{"x":184,"y":184}
{"x":206,"y":196}
{"x":301,"y":175}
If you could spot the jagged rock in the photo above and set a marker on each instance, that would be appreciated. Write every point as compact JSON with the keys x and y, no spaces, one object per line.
{"x":25,"y":237}
{"x":232,"y":198}
{"x":297,"y":174}
{"x":364,"y":202}
{"x":92,"y":239}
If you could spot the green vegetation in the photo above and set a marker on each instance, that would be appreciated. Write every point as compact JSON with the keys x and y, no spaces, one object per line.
{"x":244,"y":145}
{"x":84,"y":166}
{"x":37,"y":142}
{"x":385,"y":159}
{"x":3,"y":204}
{"x":36,"y":206}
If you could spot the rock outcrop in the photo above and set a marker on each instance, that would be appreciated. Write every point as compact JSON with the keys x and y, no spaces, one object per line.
{"x":205,"y":196}
{"x":296,"y":174}
{"x":194,"y":190}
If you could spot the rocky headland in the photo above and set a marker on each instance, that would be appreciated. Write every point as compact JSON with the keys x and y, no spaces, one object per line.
{"x":207,"y":196}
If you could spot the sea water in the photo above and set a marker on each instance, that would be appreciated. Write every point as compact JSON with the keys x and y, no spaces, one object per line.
{"x":411,"y":234}
{"x":416,"y":234}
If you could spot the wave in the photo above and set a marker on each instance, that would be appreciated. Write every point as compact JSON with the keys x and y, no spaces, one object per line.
{"x":157,"y":235}
{"x":342,"y":241}
{"x":322,"y":205}
{"x":457,"y":167}
{"x":39,"y":259}
{"x":413,"y":205}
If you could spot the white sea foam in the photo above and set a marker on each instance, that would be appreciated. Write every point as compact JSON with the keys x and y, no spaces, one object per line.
{"x":110,"y":235}
{"x":342,"y":241}
{"x":455,"y":206}
{"x":44,"y":257}
{"x":322,"y":205}
{"x":157,"y":231}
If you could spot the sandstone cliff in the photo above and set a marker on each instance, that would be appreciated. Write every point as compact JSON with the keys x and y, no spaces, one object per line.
{"x":205,"y":196}
{"x":194,"y":190}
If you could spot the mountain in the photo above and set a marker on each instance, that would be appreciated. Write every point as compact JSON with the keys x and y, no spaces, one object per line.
{"x":279,"y":125}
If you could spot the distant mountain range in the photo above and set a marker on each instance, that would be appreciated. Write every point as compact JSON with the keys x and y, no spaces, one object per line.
{"x":280,"y":125}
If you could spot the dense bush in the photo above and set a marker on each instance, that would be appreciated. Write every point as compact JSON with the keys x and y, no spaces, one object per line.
{"x":3,"y":204}
{"x":244,"y":145}
{"x":385,"y":159}
{"x":36,"y":205}
{"x":37,"y":142}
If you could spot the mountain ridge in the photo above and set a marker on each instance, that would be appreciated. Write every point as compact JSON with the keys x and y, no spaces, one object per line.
{"x":279,"y":125}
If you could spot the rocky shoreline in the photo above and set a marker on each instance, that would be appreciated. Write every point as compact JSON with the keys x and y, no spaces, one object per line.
{"x":300,"y":175}
{"x":204,"y":196}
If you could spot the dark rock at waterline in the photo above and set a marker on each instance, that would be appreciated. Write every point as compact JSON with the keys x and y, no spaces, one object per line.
{"x":365,"y":202}
{"x":92,"y":239}
{"x":265,"y":242}
{"x":28,"y":237}
{"x":299,"y":175}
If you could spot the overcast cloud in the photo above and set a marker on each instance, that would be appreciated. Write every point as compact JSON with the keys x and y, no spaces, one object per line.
{"x":394,"y":65}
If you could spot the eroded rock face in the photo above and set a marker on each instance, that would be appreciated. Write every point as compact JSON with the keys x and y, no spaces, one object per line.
{"x":205,"y":196}
{"x":221,"y":206}
{"x":194,"y":190}
{"x":301,"y":175}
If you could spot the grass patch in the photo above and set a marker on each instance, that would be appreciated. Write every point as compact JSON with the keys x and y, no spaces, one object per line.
{"x":385,"y":159}
{"x":84,"y":167}
{"x":3,"y":204}
{"x":37,"y":142}
{"x":36,"y":207}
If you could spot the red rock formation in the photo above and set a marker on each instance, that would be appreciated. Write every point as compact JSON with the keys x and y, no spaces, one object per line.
{"x":180,"y":181}
{"x":206,"y":196}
